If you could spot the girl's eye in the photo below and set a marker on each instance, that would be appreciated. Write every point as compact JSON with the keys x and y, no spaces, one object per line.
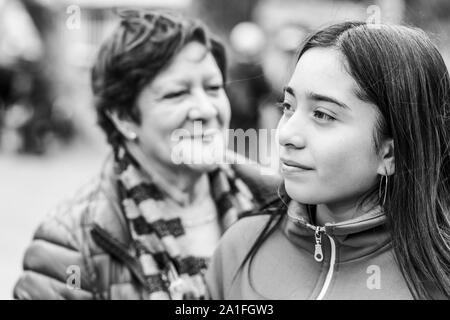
{"x":323,"y":116}
{"x":175,"y":94}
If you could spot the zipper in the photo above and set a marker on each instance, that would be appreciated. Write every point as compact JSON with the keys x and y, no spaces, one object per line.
{"x":326,"y":285}
{"x":318,"y":256}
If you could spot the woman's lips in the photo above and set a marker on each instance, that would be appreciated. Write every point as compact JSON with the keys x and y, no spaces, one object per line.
{"x":207,"y":134}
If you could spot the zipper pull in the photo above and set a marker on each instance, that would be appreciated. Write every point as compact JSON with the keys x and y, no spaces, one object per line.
{"x":318,"y":255}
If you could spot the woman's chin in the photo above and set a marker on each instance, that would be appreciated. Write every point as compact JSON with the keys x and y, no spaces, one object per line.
{"x":202,"y":167}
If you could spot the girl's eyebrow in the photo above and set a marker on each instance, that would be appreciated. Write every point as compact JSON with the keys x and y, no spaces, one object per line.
{"x":321,"y":97}
{"x":318,"y":97}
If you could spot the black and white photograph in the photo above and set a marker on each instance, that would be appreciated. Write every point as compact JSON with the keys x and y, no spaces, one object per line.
{"x":225,"y":150}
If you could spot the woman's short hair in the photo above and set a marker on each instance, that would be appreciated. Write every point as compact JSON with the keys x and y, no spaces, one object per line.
{"x":142,"y":45}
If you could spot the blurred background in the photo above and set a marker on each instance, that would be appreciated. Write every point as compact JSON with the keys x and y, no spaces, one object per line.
{"x":49,"y":142}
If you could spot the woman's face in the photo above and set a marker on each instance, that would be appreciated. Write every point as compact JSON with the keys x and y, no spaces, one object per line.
{"x":186,"y":97}
{"x":328,"y":131}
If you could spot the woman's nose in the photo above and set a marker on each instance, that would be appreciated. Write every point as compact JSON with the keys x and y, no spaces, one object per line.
{"x":203,"y":108}
{"x":291,"y":133}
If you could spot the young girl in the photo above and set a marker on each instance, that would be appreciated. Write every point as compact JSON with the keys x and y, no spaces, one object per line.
{"x":364,"y":152}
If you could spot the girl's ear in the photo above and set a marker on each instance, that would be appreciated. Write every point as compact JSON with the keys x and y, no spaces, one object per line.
{"x":387,"y":164}
{"x":125,"y":127}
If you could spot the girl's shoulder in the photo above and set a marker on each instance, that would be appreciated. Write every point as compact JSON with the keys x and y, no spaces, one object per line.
{"x":241,"y":236}
{"x":230,"y":253}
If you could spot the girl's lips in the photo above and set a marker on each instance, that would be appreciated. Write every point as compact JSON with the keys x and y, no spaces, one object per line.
{"x":293,"y":164}
{"x":285,"y":168}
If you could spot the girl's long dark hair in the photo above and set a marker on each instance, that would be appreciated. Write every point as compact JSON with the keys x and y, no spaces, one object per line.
{"x":400,"y":70}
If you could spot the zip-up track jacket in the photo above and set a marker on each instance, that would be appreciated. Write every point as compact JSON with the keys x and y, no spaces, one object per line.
{"x":353,"y":259}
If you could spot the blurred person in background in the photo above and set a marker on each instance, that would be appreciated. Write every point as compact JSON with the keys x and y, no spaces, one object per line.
{"x":146,"y":227}
{"x":20,"y":46}
{"x":364,"y":150}
{"x":28,"y":78}
{"x":248,"y":86}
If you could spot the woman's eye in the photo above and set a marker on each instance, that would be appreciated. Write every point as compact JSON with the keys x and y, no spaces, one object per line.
{"x":214,"y":87}
{"x":284,"y":106}
{"x":175,"y":94}
{"x":323,"y":116}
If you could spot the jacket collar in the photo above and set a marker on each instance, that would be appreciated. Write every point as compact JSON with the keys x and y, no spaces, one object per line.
{"x":355,"y":237}
{"x":107,"y":211}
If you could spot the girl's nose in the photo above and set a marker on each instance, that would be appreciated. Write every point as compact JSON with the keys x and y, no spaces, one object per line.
{"x":290,"y":133}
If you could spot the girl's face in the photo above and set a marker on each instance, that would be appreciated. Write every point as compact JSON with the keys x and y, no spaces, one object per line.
{"x":326,"y":135}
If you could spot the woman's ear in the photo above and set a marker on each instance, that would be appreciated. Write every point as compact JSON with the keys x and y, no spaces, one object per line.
{"x":387,"y":158}
{"x":125,"y":127}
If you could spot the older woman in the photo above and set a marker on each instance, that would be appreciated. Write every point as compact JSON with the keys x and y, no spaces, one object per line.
{"x":146,"y":228}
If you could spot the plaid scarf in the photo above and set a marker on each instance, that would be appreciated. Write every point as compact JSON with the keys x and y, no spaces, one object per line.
{"x":171,"y":273}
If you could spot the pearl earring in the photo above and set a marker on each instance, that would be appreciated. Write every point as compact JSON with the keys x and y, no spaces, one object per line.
{"x":131,"y":135}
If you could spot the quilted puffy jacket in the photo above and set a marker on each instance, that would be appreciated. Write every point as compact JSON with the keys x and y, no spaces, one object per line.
{"x":87,"y":237}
